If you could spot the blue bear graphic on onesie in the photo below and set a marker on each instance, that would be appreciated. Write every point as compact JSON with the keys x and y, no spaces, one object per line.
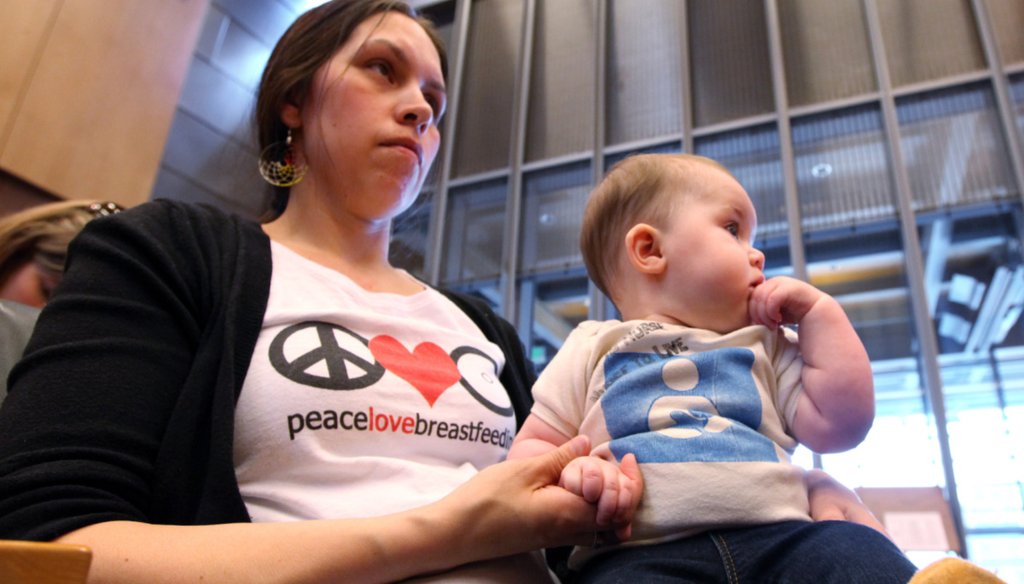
{"x":710,"y":414}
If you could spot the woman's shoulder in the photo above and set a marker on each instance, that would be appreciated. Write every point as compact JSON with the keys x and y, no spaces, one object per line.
{"x":177,"y":235}
{"x":182,"y":214}
{"x":183,"y":224}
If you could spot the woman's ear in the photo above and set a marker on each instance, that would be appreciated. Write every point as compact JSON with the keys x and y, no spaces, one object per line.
{"x":643,"y":249}
{"x":291,"y":116}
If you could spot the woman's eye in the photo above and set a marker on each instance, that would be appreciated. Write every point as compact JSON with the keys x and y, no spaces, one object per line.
{"x":381,"y":67}
{"x":436,"y":105}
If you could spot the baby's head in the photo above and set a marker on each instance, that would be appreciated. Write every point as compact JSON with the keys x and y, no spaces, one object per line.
{"x":669,"y":237}
{"x":643,"y":188}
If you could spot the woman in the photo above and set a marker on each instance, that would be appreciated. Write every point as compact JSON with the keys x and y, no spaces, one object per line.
{"x":198,"y":372}
{"x":34,"y":244}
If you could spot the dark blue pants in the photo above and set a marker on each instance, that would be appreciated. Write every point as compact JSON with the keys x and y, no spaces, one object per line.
{"x":792,"y":552}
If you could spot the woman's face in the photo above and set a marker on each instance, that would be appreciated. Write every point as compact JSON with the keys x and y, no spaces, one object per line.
{"x":369,"y":126}
{"x":28,"y":285}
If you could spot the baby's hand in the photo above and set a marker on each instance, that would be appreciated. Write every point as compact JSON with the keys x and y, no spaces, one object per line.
{"x":782,"y":300}
{"x":616,"y":489}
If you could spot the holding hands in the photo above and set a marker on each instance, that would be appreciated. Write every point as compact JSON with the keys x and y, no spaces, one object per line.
{"x":616,"y":489}
{"x":522,"y":502}
{"x":611,"y":491}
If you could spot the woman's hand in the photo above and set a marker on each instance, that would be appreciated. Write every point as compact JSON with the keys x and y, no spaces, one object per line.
{"x":832,"y":501}
{"x":517,"y":505}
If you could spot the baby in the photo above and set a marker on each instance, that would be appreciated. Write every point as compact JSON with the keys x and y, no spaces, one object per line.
{"x":700,"y":380}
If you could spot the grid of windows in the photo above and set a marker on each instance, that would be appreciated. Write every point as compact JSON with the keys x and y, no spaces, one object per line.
{"x":881,"y":143}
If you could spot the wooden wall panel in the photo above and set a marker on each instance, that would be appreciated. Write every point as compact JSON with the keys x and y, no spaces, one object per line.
{"x":16,"y":194}
{"x":27,"y":25}
{"x":94,"y":117}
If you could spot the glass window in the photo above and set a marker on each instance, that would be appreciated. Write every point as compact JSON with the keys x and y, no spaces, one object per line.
{"x":975,"y":282}
{"x":484,"y":129}
{"x":611,"y":159}
{"x":1017,"y":91}
{"x":409,"y":239}
{"x":929,"y":39}
{"x":552,"y":307}
{"x":864,"y":271}
{"x":560,"y":118}
{"x":954,"y":147}
{"x":842,"y":169}
{"x":488,"y":291}
{"x":753,"y":157}
{"x":644,"y":72}
{"x":825,"y":49}
{"x":729,"y":61}
{"x":998,"y":553}
{"x":553,"y":204}
{"x":474,"y":232}
{"x":855,"y":253}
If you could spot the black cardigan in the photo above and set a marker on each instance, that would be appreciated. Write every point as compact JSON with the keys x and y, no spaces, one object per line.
{"x":123,"y":407}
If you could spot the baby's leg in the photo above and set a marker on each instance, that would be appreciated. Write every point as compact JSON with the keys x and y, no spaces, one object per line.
{"x":818,"y":552}
{"x":688,"y":560}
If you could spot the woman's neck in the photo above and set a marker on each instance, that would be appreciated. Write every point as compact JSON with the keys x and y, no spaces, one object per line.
{"x":346,"y":244}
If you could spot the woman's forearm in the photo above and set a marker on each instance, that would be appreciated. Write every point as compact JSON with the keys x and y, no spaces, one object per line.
{"x":506,"y":509}
{"x":380,"y":549}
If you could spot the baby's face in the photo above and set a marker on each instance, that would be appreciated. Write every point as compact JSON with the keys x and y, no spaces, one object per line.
{"x":712,"y":265}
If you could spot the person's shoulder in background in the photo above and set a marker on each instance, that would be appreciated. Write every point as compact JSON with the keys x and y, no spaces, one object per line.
{"x":16,"y":323}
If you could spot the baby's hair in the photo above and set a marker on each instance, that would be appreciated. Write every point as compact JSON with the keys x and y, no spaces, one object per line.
{"x":642,"y":188}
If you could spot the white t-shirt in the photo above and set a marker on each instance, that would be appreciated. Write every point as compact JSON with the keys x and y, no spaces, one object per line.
{"x":707,"y":416}
{"x":359,"y":404}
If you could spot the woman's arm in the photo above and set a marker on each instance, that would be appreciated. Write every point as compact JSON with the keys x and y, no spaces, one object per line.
{"x":509,"y":508}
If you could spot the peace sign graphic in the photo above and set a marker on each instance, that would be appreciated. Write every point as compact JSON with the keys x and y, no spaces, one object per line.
{"x":345,"y":370}
{"x":337,"y":358}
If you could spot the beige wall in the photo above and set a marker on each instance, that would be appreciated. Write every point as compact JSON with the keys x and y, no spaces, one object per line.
{"x":88,"y":89}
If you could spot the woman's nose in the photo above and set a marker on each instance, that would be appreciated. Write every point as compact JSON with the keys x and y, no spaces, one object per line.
{"x":417,"y":113}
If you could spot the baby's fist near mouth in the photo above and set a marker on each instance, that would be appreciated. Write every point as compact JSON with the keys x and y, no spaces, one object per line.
{"x":758,"y":309}
{"x":782,"y":300}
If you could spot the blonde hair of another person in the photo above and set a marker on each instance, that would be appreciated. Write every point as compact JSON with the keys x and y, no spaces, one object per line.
{"x":34,"y":244}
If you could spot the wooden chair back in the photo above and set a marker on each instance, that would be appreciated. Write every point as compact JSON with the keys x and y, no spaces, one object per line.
{"x":31,"y":562}
{"x":917,"y":518}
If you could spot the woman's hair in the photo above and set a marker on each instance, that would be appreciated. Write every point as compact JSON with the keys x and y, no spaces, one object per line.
{"x":642,"y":188}
{"x":307,"y":45}
{"x":41,"y":234}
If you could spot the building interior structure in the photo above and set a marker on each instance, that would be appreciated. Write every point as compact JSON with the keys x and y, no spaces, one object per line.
{"x":882,"y":142}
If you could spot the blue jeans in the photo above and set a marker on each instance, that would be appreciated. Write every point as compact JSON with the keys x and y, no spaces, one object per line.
{"x":791,"y":552}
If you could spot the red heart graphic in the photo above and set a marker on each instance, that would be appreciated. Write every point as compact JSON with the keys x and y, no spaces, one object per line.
{"x":428,"y":368}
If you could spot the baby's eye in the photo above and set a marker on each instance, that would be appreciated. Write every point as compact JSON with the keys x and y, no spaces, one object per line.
{"x":733,"y":228}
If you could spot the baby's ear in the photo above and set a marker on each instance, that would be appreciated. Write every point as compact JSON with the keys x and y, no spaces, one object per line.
{"x":643,"y":249}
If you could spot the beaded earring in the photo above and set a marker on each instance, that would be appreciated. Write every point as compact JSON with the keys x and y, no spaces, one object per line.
{"x":278,"y":165}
